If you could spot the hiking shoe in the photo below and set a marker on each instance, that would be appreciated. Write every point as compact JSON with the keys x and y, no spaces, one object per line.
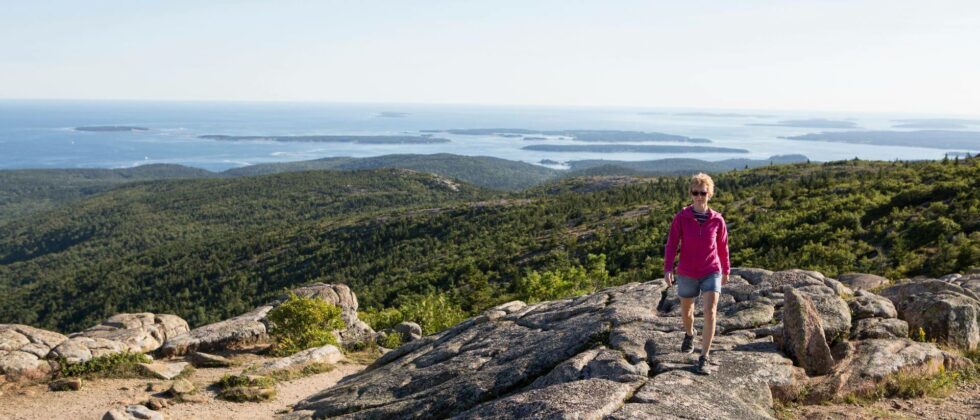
{"x":687,"y":345}
{"x":702,"y":367}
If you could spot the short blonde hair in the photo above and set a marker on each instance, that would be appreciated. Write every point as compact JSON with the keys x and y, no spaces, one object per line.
{"x":703,"y":180}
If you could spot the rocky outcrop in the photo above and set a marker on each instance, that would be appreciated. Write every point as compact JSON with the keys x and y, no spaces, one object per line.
{"x":587,"y":357}
{"x":945,"y":311}
{"x":141,"y":333}
{"x":23,"y":350}
{"x":231,"y":334}
{"x":250,"y":329}
{"x":136,"y":333}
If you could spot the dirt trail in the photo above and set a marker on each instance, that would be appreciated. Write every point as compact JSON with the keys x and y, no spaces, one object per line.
{"x":98,"y":396}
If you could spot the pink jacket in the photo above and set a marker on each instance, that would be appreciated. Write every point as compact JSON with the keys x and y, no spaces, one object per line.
{"x":704,"y":247}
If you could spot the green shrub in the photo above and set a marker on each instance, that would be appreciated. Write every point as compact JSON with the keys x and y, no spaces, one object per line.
{"x":246,"y":388}
{"x":433,"y":313}
{"x":391,"y":341}
{"x":301,"y":323}
{"x":379,"y":320}
{"x":116,"y":365}
{"x":565,"y":282}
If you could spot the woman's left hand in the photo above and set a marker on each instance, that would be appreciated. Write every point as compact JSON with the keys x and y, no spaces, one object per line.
{"x":724,"y":279}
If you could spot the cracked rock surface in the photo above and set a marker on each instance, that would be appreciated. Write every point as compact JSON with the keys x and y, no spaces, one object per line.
{"x":609,"y":354}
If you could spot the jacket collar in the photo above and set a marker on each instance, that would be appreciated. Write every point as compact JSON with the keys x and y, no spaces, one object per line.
{"x":689,"y":212}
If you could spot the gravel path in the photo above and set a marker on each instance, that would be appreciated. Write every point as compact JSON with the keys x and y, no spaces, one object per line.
{"x":98,"y":396}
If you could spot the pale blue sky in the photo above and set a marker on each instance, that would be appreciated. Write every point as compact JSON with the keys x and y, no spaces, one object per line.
{"x":891,"y":56}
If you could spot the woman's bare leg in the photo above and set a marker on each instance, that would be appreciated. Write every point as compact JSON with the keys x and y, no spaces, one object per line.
{"x":687,"y":315}
{"x":710,"y":300}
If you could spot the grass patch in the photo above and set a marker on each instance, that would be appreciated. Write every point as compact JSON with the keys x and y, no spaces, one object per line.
{"x":308,"y":370}
{"x":905,"y":385}
{"x":246,"y":388}
{"x":116,"y":365}
{"x":363,"y":353}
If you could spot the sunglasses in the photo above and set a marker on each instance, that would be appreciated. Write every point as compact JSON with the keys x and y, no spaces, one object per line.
{"x":701,"y":193}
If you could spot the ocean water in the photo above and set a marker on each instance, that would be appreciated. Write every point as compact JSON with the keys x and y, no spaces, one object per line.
{"x":40,"y":134}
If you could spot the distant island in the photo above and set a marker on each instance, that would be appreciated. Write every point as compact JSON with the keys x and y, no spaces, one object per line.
{"x":534,"y":138}
{"x":549,"y":162}
{"x":389,"y":114}
{"x":935,"y":123}
{"x":933,"y":139}
{"x":597,"y":136}
{"x":333,"y":139}
{"x":720,"y":115}
{"x":809,"y":123}
{"x":629,"y":148}
{"x":675,"y":165}
{"x":111,"y":128}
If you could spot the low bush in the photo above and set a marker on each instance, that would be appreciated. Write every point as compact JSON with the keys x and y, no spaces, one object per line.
{"x":391,"y":341}
{"x":116,"y":365}
{"x":301,"y":323}
{"x":246,"y":388}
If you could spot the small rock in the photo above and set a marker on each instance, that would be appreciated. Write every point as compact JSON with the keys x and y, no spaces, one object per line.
{"x":66,"y":384}
{"x":181,"y":387}
{"x":164,"y":370}
{"x":157,"y":404}
{"x":131,"y":412}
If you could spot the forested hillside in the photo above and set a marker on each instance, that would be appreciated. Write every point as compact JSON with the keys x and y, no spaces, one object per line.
{"x":27,"y":191}
{"x":209,"y":249}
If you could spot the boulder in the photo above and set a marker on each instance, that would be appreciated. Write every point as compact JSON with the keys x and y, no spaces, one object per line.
{"x":231,"y":334}
{"x":868,"y":328}
{"x":141,"y":332}
{"x":326,"y":354}
{"x":863,"y":281}
{"x":132,"y":412}
{"x":834,"y":311}
{"x":803,"y":334}
{"x":409,"y":331}
{"x":23,"y":350}
{"x":869,"y":305}
{"x":581,"y":357}
{"x":946,"y":312}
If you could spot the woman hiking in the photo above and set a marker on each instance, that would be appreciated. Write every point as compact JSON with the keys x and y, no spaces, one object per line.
{"x":701,"y":237}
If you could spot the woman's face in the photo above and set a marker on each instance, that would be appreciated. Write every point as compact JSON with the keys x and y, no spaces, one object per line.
{"x":700,"y":194}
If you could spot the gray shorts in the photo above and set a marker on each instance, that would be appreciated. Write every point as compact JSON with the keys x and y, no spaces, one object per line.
{"x":688,"y":287}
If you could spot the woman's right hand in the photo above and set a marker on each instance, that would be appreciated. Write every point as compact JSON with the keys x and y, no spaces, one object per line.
{"x":669,"y":278}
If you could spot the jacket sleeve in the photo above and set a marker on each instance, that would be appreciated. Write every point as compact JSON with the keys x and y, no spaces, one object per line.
{"x":722,"y":244}
{"x":673,"y":240}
